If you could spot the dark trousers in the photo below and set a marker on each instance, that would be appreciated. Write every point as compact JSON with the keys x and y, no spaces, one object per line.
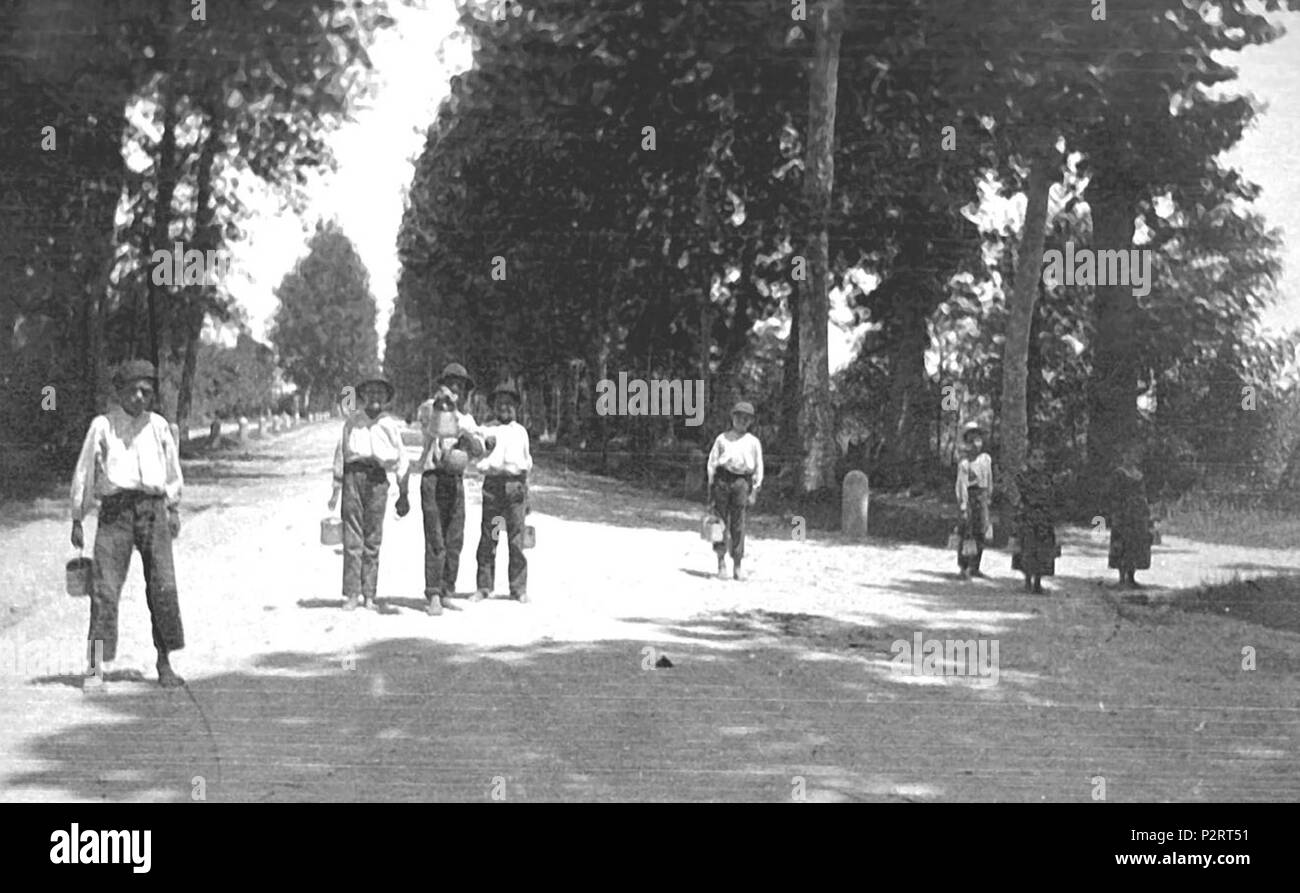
{"x":134,"y":520}
{"x":974,"y":521}
{"x":506,"y":498}
{"x":442,"y":500}
{"x":731,"y":503}
{"x":365,"y":498}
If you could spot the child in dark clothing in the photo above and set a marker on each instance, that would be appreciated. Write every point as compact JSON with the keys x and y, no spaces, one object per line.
{"x":1130,"y":520}
{"x":1035,"y":555}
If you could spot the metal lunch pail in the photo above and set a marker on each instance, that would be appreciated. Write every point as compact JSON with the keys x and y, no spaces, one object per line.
{"x":331,"y":531}
{"x":80,"y":576}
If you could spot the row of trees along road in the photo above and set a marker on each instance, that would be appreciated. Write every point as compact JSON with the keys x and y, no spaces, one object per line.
{"x":129,"y":126}
{"x":671,"y":188}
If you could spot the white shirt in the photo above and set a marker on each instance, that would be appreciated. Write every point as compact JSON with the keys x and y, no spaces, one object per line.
{"x":510,"y":454}
{"x":739,"y":454}
{"x":379,"y":439}
{"x":974,"y":473}
{"x":122,"y":452}
{"x":436,"y":447}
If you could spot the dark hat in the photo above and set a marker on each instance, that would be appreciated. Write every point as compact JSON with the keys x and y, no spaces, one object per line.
{"x":382,"y":382}
{"x":745,"y":407}
{"x":134,"y":370}
{"x":505,"y":388}
{"x":456,"y":370}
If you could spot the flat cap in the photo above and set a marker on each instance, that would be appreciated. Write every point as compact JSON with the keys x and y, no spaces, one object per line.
{"x":134,"y":370}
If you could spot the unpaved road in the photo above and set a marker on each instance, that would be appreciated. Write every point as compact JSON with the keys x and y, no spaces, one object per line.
{"x":780,"y":687}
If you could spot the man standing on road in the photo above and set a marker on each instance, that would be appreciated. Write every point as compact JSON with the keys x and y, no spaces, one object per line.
{"x":130,"y":464}
{"x":451,"y":437}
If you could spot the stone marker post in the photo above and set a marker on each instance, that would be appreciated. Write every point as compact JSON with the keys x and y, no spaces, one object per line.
{"x":853,"y":509}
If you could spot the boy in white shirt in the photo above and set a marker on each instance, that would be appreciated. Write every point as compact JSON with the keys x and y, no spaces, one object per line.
{"x":368,"y":450}
{"x":131,"y":466}
{"x":735,"y":473}
{"x":505,"y":495}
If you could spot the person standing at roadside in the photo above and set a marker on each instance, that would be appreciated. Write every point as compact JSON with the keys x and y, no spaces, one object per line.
{"x":369,"y":448}
{"x":442,"y":481}
{"x":505,"y":471}
{"x":735,"y":472}
{"x":130,"y":465}
{"x":974,"y":493}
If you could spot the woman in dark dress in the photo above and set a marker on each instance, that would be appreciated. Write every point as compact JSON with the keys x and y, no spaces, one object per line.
{"x":1035,"y":556}
{"x":1130,"y":520}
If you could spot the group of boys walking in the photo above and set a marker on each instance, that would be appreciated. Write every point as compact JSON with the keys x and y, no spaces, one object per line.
{"x":370,"y":449}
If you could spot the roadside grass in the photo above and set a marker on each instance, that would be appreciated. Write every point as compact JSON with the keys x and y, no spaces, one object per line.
{"x":1252,"y":521}
{"x":1272,"y":601}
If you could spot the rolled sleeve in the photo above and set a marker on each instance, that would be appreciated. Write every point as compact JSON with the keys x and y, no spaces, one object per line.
{"x":338,"y":456}
{"x":82,"y":491}
{"x":174,"y":479}
{"x":758,"y":463}
{"x":528,"y":452}
{"x":403,"y":466}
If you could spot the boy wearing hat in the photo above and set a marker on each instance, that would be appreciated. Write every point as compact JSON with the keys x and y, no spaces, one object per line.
{"x":735,"y":471}
{"x":442,"y":483}
{"x":130,"y":464}
{"x":505,"y":495}
{"x":368,"y":450}
{"x":974,"y":490}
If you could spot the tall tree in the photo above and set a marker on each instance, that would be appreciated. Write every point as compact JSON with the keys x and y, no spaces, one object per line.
{"x":816,"y":424}
{"x":324,"y":328}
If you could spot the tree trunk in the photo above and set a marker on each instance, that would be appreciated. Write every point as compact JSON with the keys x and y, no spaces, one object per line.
{"x":1020,"y":314}
{"x":790,"y":383}
{"x":815,"y":422}
{"x":906,"y":422}
{"x":206,"y":238}
{"x":1113,"y":386}
{"x":906,"y":300}
{"x":737,"y":337}
{"x":162,"y":215}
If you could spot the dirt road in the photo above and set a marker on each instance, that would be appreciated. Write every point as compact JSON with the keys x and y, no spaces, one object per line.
{"x":781,"y":688}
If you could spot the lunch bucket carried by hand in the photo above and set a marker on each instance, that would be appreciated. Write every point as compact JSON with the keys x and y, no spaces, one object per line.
{"x":80,"y":576}
{"x":445,"y":424}
{"x":331,"y":531}
{"x":712,"y":530}
{"x":530,"y":536}
{"x":455,"y":461}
